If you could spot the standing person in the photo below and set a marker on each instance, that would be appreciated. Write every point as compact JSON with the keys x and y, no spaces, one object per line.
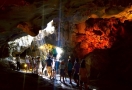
{"x":34,"y":64}
{"x":54,"y":52}
{"x":49,"y":67}
{"x":28,"y":63}
{"x":18,"y":62}
{"x":39,"y":66}
{"x":76,"y":71}
{"x":31,"y":62}
{"x":83,"y":75}
{"x":53,"y":68}
{"x":57,"y":64}
{"x":62,"y":70}
{"x":43,"y":65}
{"x":69,"y":69}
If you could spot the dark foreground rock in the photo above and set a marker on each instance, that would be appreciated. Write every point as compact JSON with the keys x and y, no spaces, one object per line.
{"x":13,"y":80}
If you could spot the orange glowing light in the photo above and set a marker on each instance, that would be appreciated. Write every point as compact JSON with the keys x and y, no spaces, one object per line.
{"x":99,"y":34}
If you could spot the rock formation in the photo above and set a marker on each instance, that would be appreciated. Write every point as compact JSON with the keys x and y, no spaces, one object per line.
{"x":97,"y":30}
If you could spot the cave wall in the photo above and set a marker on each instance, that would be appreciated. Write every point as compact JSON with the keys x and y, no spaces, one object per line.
{"x":19,"y":18}
{"x":4,"y":51}
{"x":99,"y":30}
{"x":115,"y":61}
{"x":105,"y":43}
{"x":92,"y":34}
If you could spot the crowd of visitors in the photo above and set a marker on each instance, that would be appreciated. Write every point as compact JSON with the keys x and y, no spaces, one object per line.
{"x":68,"y":69}
{"x":72,"y":69}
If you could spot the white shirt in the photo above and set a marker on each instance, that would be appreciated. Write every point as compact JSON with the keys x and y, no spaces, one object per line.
{"x":27,"y":60}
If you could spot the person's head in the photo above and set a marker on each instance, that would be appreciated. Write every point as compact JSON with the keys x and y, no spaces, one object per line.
{"x":83,"y":64}
{"x":76,"y":60}
{"x":49,"y":57}
{"x":38,"y":57}
{"x":69,"y":60}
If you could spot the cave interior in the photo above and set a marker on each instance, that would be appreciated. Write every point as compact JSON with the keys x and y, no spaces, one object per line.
{"x":99,"y":31}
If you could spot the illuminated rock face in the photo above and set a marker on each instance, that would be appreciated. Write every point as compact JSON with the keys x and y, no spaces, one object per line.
{"x":97,"y":34}
{"x":98,"y":30}
{"x":114,"y":61}
{"x":19,"y":18}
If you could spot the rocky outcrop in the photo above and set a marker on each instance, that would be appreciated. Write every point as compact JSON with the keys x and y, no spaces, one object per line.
{"x":97,"y":30}
{"x":19,"y":18}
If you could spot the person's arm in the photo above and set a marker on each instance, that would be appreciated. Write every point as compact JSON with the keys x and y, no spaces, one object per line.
{"x":45,"y":62}
{"x":60,"y":66}
{"x":51,"y":63}
{"x":79,"y":71}
{"x":66,"y":67}
{"x":20,"y":60}
{"x":73,"y":67}
{"x":86,"y":72}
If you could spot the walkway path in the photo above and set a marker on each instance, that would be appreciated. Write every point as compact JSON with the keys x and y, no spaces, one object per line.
{"x":57,"y":83}
{"x":66,"y":85}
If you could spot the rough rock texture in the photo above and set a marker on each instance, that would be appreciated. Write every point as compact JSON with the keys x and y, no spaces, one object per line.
{"x":25,"y":16}
{"x":97,"y":30}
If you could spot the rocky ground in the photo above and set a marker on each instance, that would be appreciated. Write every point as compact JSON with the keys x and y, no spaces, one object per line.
{"x":14,"y":80}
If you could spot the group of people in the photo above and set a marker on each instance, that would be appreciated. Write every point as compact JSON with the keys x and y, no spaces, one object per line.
{"x":35,"y":64}
{"x":80,"y":73}
{"x":76,"y":70}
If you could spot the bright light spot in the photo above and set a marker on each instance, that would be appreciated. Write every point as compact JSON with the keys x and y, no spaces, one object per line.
{"x":25,"y":65}
{"x":59,"y":52}
{"x":46,"y":77}
{"x":94,"y":89}
{"x":41,"y":47}
{"x":50,"y":28}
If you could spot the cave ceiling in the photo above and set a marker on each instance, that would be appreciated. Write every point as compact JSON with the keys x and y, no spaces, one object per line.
{"x":21,"y":17}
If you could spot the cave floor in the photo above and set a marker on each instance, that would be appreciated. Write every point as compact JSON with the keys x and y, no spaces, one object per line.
{"x":14,"y":80}
{"x":57,"y":83}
